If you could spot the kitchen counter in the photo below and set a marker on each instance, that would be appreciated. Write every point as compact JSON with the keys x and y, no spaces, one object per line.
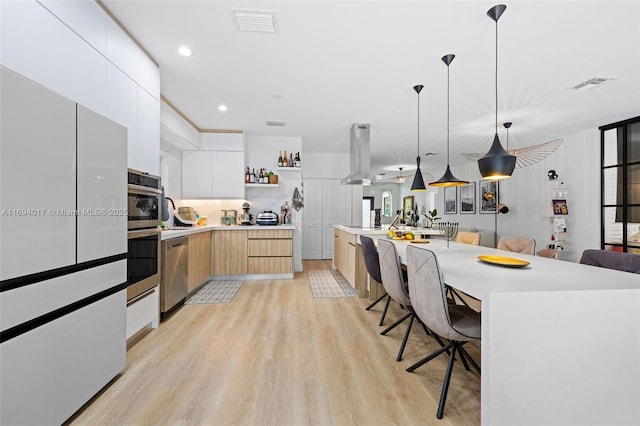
{"x":175,"y":233}
{"x":424,"y":232}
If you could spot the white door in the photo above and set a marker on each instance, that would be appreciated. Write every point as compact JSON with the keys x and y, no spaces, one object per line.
{"x":102,"y":186}
{"x":312,"y":220}
{"x":38,"y":178}
{"x":336,"y":203}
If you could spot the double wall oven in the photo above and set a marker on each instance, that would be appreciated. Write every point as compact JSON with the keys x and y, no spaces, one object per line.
{"x":143,"y":203}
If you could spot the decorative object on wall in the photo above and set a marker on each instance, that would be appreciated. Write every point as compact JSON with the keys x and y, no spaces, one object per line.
{"x":497,"y":163}
{"x":488,"y":196}
{"x":448,"y":179}
{"x":468,"y":198}
{"x":407,"y":206}
{"x":418,"y":181}
{"x":450,"y":195}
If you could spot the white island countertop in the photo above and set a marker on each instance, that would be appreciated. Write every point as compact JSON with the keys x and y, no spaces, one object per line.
{"x":359,"y":230}
{"x":181,"y":232}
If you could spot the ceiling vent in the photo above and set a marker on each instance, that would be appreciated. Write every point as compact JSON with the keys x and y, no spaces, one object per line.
{"x":262,"y":21}
{"x":276,"y":123}
{"x":593,"y":83}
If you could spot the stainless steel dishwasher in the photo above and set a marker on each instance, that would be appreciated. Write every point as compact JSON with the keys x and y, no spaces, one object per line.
{"x":173,"y":287}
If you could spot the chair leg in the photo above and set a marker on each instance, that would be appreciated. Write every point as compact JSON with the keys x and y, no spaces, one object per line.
{"x":375,"y":302}
{"x":405,"y":338}
{"x":395,"y":324}
{"x":463,"y":359}
{"x":447,"y":380}
{"x":471,"y":360}
{"x":386,"y":307}
{"x":428,"y":358}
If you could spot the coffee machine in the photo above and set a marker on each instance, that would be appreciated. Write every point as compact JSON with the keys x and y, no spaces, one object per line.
{"x":245,"y":216}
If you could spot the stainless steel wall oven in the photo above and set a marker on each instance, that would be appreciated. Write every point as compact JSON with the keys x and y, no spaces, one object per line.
{"x":143,"y":200}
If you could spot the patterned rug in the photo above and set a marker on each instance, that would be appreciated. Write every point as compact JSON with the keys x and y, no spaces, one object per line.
{"x":215,"y":292}
{"x":329,"y":283}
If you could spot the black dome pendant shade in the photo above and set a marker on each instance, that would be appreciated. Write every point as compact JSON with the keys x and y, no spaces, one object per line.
{"x":418,"y":181}
{"x":497,"y":163}
{"x":448,"y":179}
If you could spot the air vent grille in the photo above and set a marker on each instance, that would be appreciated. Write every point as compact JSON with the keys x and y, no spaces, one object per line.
{"x":276,"y":123}
{"x":262,"y":21}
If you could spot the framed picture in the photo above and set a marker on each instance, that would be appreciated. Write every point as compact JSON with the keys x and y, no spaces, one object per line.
{"x":488,"y":196}
{"x":560,"y":206}
{"x":407,"y":206}
{"x":450,"y":195}
{"x":468,"y":198}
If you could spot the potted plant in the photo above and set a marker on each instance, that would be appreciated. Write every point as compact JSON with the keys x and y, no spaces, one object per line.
{"x":433,"y":217}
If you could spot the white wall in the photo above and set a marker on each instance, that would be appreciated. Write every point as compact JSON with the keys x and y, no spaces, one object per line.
{"x":528,"y":195}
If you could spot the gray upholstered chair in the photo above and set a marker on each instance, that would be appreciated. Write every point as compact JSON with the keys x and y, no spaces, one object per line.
{"x":372,"y":262}
{"x":522,"y":245}
{"x":466,"y":237}
{"x":458,"y":324}
{"x":628,"y":262}
{"x":393,"y":282}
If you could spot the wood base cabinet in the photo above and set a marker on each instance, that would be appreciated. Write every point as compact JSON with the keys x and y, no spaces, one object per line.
{"x":270,"y":251}
{"x":229,"y":252}
{"x":344,"y":254}
{"x":200,"y":260}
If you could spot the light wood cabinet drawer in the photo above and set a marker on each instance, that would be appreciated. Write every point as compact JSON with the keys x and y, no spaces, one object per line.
{"x":270,"y":248}
{"x":270,"y":233}
{"x":270,"y":265}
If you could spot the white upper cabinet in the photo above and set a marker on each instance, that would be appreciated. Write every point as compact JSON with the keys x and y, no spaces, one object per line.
{"x":222,"y":141}
{"x":102,"y":179}
{"x":197,"y":174}
{"x":122,"y":98}
{"x":213,"y":174}
{"x":148,"y":134}
{"x":36,"y":44}
{"x":126,"y":55}
{"x":37,"y":178}
{"x":175,"y":130}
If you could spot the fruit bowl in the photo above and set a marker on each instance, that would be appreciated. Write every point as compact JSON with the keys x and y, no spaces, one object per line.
{"x":400,"y":235}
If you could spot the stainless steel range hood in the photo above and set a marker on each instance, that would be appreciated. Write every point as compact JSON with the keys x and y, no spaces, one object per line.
{"x":360,"y":171}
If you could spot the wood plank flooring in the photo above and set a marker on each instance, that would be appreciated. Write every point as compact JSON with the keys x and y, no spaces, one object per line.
{"x":277,"y":356}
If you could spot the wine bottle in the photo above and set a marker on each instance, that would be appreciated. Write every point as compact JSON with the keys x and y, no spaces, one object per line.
{"x":298,"y":162}
{"x":280,"y":159}
{"x":247,"y":176}
{"x":253,"y":176}
{"x":291,"y":163}
{"x":285,"y":162}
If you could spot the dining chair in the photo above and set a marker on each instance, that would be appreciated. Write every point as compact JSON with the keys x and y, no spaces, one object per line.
{"x":547,"y":252}
{"x":466,"y":237}
{"x":372,"y":263}
{"x":456,"y":323}
{"x":621,"y":261}
{"x":394,"y":284}
{"x":524,"y":245}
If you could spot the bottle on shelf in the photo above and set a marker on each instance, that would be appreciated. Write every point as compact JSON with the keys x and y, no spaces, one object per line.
{"x":285,"y":162}
{"x":291,"y":163}
{"x":297,"y":160}
{"x":252,"y":178}
{"x":280,"y":159}
{"x":260,"y":176}
{"x":247,"y":176}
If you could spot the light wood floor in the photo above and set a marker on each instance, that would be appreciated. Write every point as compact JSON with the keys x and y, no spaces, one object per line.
{"x":277,"y":356}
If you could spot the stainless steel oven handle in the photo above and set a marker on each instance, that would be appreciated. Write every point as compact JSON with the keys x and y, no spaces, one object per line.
{"x":143,"y":190}
{"x":141,"y":296}
{"x":137,"y":233}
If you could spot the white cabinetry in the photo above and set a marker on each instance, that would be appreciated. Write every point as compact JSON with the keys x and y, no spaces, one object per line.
{"x":175,"y":130}
{"x":102,"y":158}
{"x":213,"y":174}
{"x":148,"y":134}
{"x":37,"y":172}
{"x":122,"y":107}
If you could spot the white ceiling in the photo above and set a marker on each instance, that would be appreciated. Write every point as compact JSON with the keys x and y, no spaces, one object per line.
{"x":336,"y":63}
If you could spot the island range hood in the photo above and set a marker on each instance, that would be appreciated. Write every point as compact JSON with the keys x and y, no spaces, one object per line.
{"x":360,"y":171}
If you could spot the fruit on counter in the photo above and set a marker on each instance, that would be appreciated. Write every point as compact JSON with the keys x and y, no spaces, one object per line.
{"x":409,"y":236}
{"x":401,"y":235}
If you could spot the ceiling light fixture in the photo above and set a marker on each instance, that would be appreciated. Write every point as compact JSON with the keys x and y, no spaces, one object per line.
{"x":184,"y":51}
{"x":418,"y":181}
{"x":400,"y":179}
{"x":448,"y":179}
{"x":497,"y":163}
{"x":222,"y":108}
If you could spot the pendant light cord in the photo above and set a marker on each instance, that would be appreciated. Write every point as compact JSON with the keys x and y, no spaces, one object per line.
{"x":496,"y":76}
{"x":418,"y":124}
{"x":448,"y":115}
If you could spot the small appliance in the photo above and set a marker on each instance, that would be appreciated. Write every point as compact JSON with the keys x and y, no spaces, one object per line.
{"x":186,"y":217}
{"x":245,"y":217}
{"x":229,"y":217}
{"x":267,"y":218}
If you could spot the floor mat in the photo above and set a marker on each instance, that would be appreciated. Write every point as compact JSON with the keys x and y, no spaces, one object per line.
{"x":215,"y":292}
{"x":329,"y":283}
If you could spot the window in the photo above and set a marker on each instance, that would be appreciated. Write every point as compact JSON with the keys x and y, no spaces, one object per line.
{"x":386,"y":204}
{"x":620,"y":181}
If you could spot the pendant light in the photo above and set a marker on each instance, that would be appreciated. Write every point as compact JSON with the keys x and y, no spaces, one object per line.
{"x":418,"y":181}
{"x":448,"y":179}
{"x":497,"y":163}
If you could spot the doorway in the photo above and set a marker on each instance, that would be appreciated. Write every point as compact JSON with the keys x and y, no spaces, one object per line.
{"x":367,"y":207}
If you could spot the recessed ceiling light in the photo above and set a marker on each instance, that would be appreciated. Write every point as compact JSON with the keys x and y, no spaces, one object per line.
{"x":184,"y":51}
{"x":276,"y":123}
{"x":222,"y":107}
